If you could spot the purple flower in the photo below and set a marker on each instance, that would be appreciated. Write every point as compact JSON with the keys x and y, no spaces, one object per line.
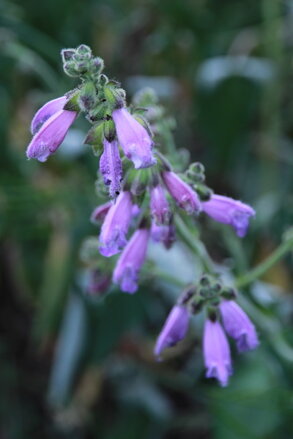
{"x":229,"y":211}
{"x":163,"y":233}
{"x":130,"y":262}
{"x":182,"y":193}
{"x":159,"y":205}
{"x":238,"y":325}
{"x":134,"y":139}
{"x":111,"y":167}
{"x":115,"y":225}
{"x":49,"y":127}
{"x":174,"y":329}
{"x":216,"y":352}
{"x":99,"y":213}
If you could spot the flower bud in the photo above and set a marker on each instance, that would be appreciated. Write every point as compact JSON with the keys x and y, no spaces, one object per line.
{"x":84,"y":51}
{"x":67,"y":54}
{"x":87,"y":96}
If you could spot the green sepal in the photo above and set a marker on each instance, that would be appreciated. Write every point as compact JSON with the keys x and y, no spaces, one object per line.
{"x":115,"y":96}
{"x":99,"y":112}
{"x":72,"y":103}
{"x":109,"y":130}
{"x":95,"y":135}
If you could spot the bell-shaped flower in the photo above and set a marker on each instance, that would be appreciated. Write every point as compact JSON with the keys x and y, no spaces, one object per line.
{"x":131,"y":260}
{"x":159,"y":205}
{"x":174,"y":329}
{"x":228,"y":211}
{"x":133,"y":138}
{"x":111,"y":167}
{"x":216,"y":352}
{"x":183,"y":194}
{"x":49,"y":128}
{"x":238,"y":325}
{"x":115,"y":226}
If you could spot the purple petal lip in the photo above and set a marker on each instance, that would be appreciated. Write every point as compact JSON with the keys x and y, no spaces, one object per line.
{"x":238,"y":325}
{"x":115,"y":226}
{"x":111,"y":167}
{"x":216,"y":352}
{"x":130,"y":262}
{"x":134,"y":139}
{"x":182,"y":193}
{"x":100,"y":212}
{"x":45,"y":112}
{"x":229,"y":211}
{"x":51,"y":135}
{"x":163,"y":233}
{"x":174,"y":329}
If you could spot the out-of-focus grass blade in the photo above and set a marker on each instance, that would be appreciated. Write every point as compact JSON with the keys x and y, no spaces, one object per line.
{"x":68,"y":350}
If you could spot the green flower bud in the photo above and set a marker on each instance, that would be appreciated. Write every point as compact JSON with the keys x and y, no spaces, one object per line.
{"x":84,"y":51}
{"x":67,"y":54}
{"x":87,"y":96}
{"x":70,"y":69}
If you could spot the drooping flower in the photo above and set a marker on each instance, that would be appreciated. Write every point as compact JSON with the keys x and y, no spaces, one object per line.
{"x":238,"y":325}
{"x":228,"y":211}
{"x":164,"y":233}
{"x":131,"y":260}
{"x":174,"y":329}
{"x":115,"y":226}
{"x":49,"y":127}
{"x":100,"y":212}
{"x":111,"y":167}
{"x":216,"y":352}
{"x":182,"y":193}
{"x":159,"y":205}
{"x":133,"y":138}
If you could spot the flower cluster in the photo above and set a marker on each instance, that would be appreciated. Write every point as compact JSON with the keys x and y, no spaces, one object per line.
{"x":145,"y":196}
{"x":221,"y":308}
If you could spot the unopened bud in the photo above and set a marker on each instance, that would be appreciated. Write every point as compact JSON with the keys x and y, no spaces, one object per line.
{"x":84,"y":51}
{"x":98,"y":64}
{"x":70,"y":69}
{"x":67,"y":54}
{"x":87,"y":96}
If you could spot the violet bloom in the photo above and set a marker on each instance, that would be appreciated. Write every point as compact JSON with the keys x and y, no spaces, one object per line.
{"x":216,"y":352}
{"x":159,"y":205}
{"x":182,"y":193}
{"x":111,"y":167}
{"x":228,"y":211}
{"x":49,"y":127}
{"x":99,"y":213}
{"x":115,"y":225}
{"x":131,"y":260}
{"x":174,"y":329}
{"x":238,"y":325}
{"x":133,"y":138}
{"x":163,"y":233}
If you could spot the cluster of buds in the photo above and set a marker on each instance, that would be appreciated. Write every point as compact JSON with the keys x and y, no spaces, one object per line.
{"x":145,"y":192}
{"x":220,"y":306}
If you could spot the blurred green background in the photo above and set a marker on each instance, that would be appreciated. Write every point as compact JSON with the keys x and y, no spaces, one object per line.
{"x":74,"y":366}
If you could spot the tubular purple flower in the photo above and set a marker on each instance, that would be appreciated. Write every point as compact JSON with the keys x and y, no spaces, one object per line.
{"x":163,"y":233}
{"x":131,"y":260}
{"x":133,"y":138}
{"x":182,"y":193}
{"x":174,"y":329}
{"x":238,"y":325}
{"x":100,"y":212}
{"x":115,"y":225}
{"x":49,"y":126}
{"x":159,"y":205}
{"x":45,"y":112}
{"x":228,"y":211}
{"x":111,"y":167}
{"x":216,"y":352}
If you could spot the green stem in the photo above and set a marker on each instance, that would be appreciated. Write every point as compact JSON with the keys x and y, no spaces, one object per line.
{"x":194,"y":245}
{"x":264,"y":266}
